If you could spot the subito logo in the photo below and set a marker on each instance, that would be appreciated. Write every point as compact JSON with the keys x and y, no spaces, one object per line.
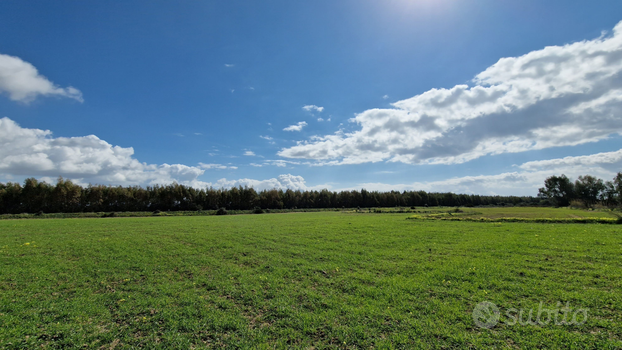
{"x":486,"y":314}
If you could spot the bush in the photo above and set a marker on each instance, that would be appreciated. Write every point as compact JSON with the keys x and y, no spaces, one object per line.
{"x":157,"y":212}
{"x":412,"y":208}
{"x":549,"y":202}
{"x":577,"y":204}
{"x":258,"y":210}
{"x":39,"y":213}
{"x":221,"y":211}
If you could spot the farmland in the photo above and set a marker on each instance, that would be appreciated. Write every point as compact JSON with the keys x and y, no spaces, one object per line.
{"x":305,"y":280}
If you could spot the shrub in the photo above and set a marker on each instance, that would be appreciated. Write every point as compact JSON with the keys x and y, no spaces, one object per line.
{"x":258,"y":210}
{"x":221,"y":211}
{"x":577,"y":204}
{"x":157,"y":212}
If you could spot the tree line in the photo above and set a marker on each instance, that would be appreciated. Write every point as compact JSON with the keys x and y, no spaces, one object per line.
{"x":66,"y":197}
{"x":587,"y":189}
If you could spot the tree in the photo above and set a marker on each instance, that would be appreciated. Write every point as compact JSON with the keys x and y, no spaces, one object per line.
{"x":558,"y":188}
{"x":608,"y":196}
{"x":588,"y":189}
{"x":617,"y":184}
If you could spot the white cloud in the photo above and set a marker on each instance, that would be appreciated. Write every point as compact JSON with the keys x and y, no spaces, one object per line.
{"x":385,"y":97}
{"x":34,"y":152}
{"x":320,"y":119}
{"x":249,"y":153}
{"x":558,"y":96}
{"x":296,"y":127}
{"x":269,"y":139}
{"x":228,"y":65}
{"x":285,"y":181}
{"x":278,"y":163}
{"x":23,"y":83}
{"x":311,"y":108}
{"x":216,"y":166}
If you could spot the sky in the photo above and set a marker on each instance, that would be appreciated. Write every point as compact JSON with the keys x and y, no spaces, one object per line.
{"x":468,"y":96}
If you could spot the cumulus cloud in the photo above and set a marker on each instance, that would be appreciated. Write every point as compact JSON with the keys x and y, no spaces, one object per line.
{"x":283,"y":182}
{"x":22,"y":82}
{"x":558,"y":96}
{"x":525,"y":181}
{"x":34,"y":152}
{"x":311,"y":108}
{"x":296,"y":127}
{"x":249,"y":153}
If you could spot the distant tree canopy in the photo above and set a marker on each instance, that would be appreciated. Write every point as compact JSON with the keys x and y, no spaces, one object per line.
{"x":558,"y":188}
{"x":65,"y":196}
{"x":587,"y":189}
{"x":34,"y":196}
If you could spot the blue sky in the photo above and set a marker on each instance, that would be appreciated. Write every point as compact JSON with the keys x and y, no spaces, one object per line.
{"x":399,"y":94}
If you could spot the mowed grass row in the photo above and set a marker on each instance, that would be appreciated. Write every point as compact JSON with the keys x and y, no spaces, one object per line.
{"x":302,"y":280}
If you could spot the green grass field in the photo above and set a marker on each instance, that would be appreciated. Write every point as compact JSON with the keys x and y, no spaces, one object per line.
{"x":303,"y":280}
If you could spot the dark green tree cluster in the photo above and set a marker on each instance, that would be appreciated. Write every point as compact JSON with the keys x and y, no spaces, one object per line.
{"x":65,"y":196}
{"x":587,"y":189}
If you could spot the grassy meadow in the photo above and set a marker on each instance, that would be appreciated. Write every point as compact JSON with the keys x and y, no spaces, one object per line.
{"x":333,"y":280}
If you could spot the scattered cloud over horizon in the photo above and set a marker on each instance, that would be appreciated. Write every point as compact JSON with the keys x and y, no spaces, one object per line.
{"x":557,"y":96}
{"x":296,"y":127}
{"x":525,"y":181}
{"x":283,"y":182}
{"x":23,"y":83}
{"x":35,"y":153}
{"x":85,"y":159}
